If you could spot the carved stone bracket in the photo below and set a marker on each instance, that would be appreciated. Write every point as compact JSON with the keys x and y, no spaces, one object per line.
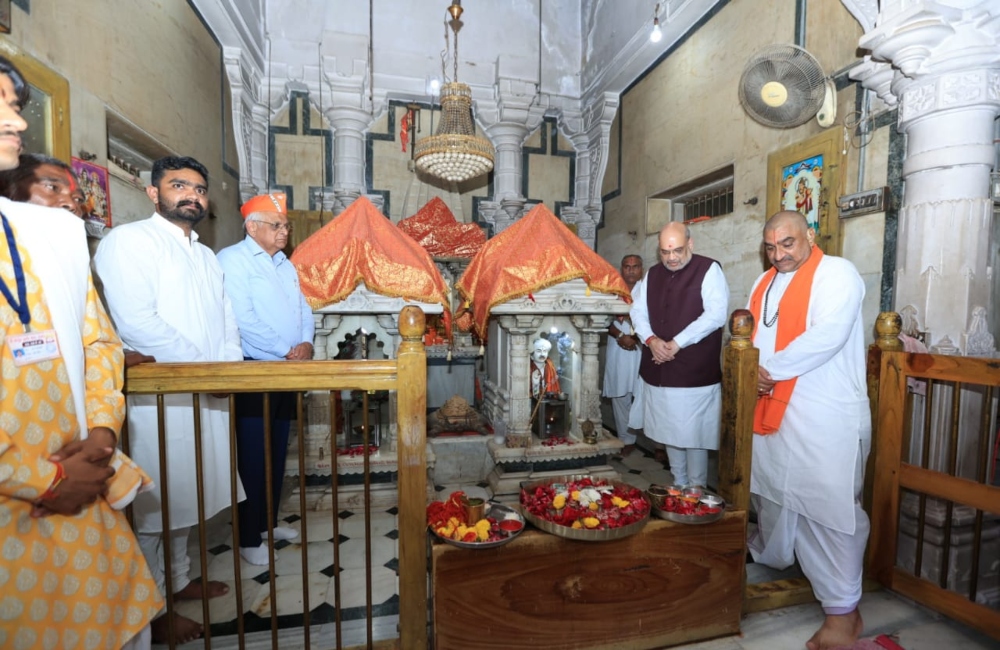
{"x":250,"y":120}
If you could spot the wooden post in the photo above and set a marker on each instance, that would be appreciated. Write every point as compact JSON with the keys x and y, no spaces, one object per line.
{"x":888,"y":325}
{"x":412,"y":458}
{"x":890,"y":410}
{"x":739,"y":398}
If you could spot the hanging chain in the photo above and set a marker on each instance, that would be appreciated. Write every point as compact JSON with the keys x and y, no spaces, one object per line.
{"x":454,"y":32}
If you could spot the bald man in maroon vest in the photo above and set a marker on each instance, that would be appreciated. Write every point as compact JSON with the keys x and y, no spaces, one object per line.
{"x":679,"y":311}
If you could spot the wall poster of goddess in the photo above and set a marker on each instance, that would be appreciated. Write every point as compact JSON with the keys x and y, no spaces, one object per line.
{"x":800,"y":188}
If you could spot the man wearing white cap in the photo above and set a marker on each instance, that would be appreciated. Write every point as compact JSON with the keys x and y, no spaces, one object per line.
{"x":275,"y":323}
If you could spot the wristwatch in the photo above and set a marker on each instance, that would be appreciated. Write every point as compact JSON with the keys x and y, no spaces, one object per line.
{"x":620,"y":334}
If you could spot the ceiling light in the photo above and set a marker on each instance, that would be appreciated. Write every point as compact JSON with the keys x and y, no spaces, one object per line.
{"x":657,"y":33}
{"x":454,"y":153}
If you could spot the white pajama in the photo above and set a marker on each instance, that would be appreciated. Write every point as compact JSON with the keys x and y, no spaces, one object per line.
{"x":152,"y":548}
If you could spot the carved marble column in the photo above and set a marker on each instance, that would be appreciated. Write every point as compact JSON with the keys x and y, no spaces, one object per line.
{"x":591,"y":327}
{"x":250,"y":119}
{"x":519,"y":327}
{"x":349,"y":125}
{"x":508,"y":121}
{"x":945,"y":76}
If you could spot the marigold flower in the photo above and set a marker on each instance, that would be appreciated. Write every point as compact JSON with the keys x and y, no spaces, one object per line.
{"x":575,"y":495}
{"x":559,"y":502}
{"x":577,"y":525}
{"x":591,"y":522}
{"x":594,"y":506}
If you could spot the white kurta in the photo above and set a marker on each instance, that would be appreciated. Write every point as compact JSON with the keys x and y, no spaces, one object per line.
{"x":685,"y":417}
{"x":165,"y":294}
{"x":809,"y":464}
{"x":621,"y":366}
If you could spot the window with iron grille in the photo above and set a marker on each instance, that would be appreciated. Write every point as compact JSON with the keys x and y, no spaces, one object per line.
{"x":706,"y":197}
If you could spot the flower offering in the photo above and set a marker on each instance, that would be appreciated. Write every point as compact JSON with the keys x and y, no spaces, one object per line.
{"x":586,"y":504}
{"x":449,"y":521}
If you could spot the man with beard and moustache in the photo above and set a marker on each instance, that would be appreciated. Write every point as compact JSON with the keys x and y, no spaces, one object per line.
{"x":165,"y":294}
{"x":678,"y":311}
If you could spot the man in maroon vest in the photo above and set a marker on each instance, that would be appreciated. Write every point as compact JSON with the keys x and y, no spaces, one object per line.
{"x":679,"y":311}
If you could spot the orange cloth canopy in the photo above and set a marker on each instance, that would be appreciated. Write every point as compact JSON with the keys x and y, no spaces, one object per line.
{"x":273,"y":202}
{"x":435,"y":228}
{"x":362,"y":245}
{"x":536,"y":252}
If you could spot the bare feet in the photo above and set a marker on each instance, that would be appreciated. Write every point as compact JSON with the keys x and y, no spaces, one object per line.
{"x":837,"y":632}
{"x":184,"y":629}
{"x":193,"y":590}
{"x":660,"y":455}
{"x":627,"y":450}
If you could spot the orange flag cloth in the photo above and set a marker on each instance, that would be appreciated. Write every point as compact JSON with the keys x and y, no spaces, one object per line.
{"x":362,"y":245}
{"x":434,"y":227}
{"x":538,"y":251}
{"x":794,"y":307}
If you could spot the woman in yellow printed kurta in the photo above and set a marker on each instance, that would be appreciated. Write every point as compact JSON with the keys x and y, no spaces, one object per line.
{"x":75,"y":581}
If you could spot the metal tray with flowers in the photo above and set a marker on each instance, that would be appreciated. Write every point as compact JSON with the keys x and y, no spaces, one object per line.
{"x":686,"y":505}
{"x":509,"y":524}
{"x":635,"y":513}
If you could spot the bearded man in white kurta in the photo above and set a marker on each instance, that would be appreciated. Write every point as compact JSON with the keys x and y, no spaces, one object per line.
{"x":165,"y":294}
{"x":678,"y":311}
{"x":812,"y":424}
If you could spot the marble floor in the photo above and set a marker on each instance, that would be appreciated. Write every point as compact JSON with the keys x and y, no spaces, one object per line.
{"x":911,"y":626}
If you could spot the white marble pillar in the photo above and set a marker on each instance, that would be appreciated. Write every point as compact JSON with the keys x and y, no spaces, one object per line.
{"x":508,"y":121}
{"x":349,"y":125}
{"x":519,"y":328}
{"x":591,"y":327}
{"x":946,"y":80}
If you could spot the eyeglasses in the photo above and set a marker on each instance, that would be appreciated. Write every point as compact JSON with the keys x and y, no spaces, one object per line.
{"x":276,"y":227}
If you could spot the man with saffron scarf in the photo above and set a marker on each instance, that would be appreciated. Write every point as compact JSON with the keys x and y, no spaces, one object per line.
{"x":812,"y":425}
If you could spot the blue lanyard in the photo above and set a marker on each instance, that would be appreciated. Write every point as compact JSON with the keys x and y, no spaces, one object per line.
{"x":21,"y":304}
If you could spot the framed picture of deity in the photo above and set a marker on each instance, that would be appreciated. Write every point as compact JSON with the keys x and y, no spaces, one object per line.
{"x":805,"y":177}
{"x":94,"y":183}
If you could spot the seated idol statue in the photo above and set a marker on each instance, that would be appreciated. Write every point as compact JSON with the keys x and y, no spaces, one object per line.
{"x":544,"y":379}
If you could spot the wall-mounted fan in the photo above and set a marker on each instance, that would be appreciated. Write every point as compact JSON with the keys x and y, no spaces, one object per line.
{"x":784,"y":86}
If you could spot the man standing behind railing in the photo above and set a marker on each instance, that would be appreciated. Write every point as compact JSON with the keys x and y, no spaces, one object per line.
{"x":165,"y":293}
{"x":71,"y":573}
{"x":812,"y":424}
{"x":275,"y":323}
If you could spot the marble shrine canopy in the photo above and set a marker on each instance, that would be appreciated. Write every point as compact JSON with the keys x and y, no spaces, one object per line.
{"x":536,"y":252}
{"x":362,"y":246}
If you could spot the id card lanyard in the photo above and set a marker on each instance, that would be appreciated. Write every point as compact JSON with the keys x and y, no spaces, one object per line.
{"x":20,"y":305}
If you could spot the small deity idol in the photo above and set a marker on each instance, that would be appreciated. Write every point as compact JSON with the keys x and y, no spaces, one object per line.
{"x":544,"y":379}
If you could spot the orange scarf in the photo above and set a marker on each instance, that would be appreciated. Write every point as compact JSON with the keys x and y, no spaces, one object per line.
{"x":794,"y":305}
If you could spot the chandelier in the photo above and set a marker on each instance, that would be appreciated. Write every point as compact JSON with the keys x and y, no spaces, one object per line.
{"x":454,"y":153}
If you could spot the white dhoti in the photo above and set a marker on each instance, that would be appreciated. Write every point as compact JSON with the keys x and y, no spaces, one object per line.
{"x":832,"y":560}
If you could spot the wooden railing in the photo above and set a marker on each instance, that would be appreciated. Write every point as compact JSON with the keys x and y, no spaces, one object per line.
{"x":406,"y":375}
{"x":921,"y":464}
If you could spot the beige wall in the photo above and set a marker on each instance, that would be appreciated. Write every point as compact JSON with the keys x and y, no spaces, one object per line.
{"x":156,"y":65}
{"x":684,"y":119}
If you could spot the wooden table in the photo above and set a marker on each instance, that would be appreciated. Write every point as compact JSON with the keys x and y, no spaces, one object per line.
{"x":666,"y":585}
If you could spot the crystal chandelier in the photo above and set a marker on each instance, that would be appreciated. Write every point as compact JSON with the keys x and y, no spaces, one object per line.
{"x":455,"y":153}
